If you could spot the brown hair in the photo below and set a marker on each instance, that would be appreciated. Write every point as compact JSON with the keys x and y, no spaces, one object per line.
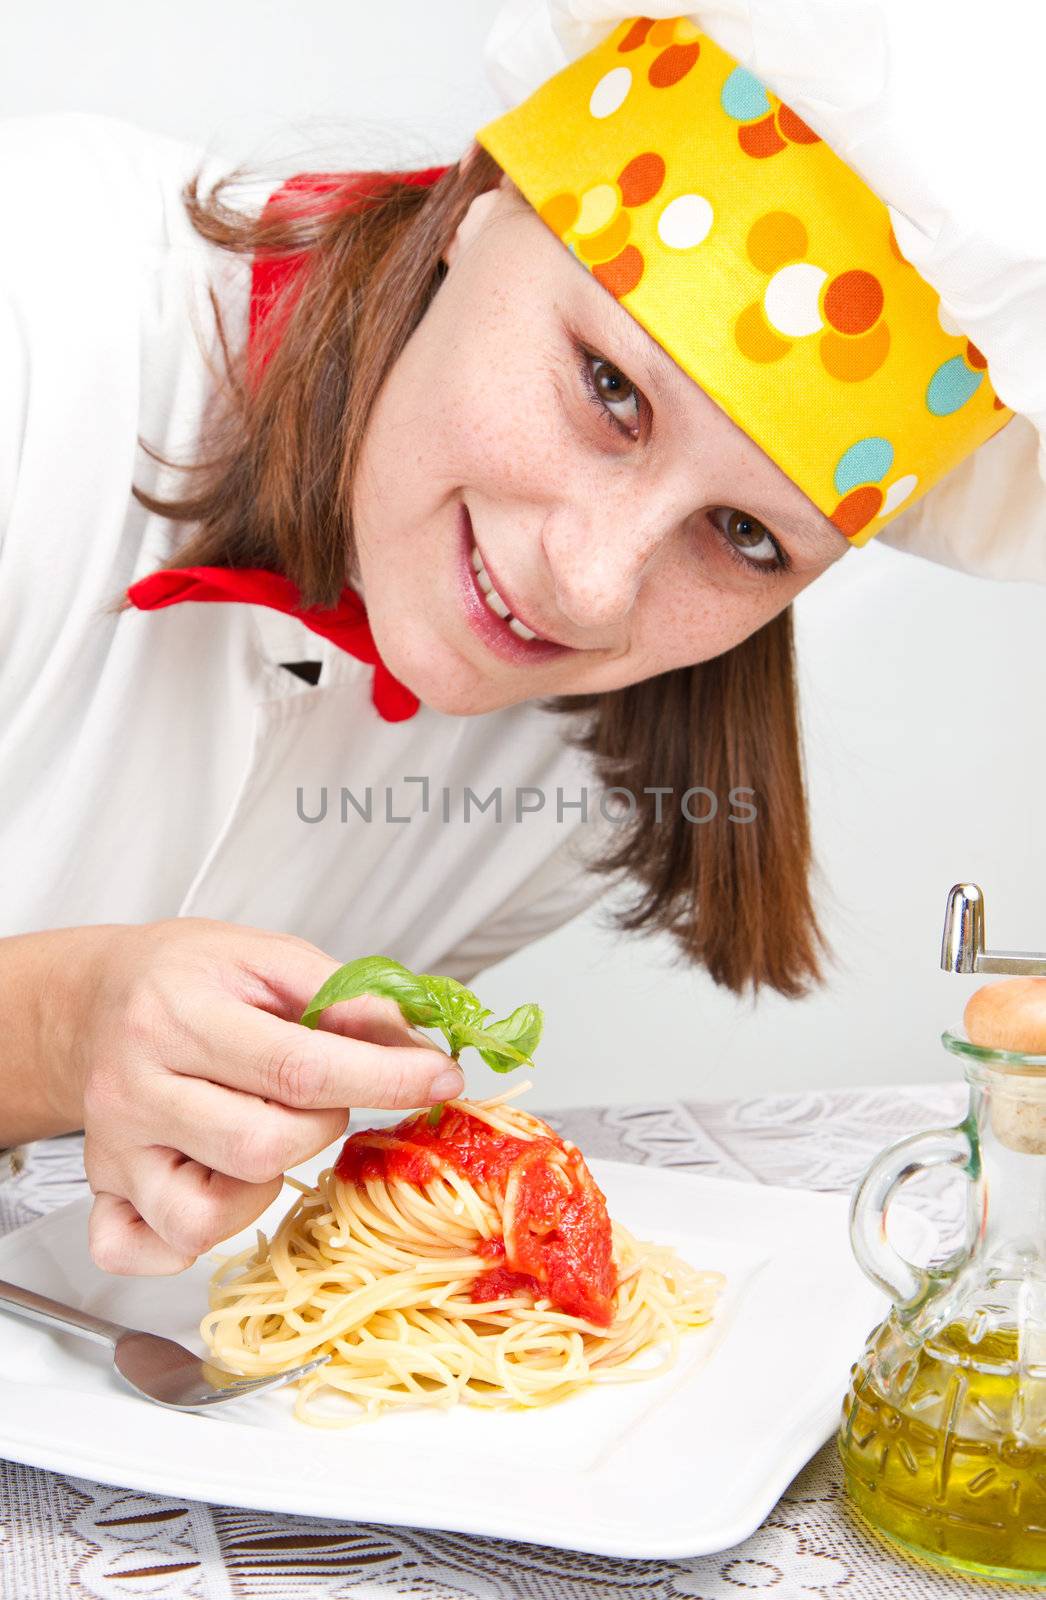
{"x":271,"y":488}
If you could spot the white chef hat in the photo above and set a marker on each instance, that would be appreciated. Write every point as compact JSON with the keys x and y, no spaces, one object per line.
{"x":938,"y":112}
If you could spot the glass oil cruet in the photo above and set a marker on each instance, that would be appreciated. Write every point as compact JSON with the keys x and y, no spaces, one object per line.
{"x":943,"y":1437}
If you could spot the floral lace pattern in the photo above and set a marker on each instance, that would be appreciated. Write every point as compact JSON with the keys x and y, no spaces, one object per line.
{"x":64,"y":1538}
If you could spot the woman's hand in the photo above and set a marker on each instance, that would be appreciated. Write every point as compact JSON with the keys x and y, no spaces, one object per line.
{"x":199,"y":1086}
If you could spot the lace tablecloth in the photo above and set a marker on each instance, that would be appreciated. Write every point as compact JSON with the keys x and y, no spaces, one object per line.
{"x":66,"y":1537}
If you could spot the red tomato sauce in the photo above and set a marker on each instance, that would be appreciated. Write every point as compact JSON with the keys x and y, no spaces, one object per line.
{"x":557,"y":1244}
{"x":501,"y":1283}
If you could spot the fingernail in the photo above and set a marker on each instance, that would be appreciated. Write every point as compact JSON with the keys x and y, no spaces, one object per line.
{"x":447,"y":1086}
{"x":423,"y":1038}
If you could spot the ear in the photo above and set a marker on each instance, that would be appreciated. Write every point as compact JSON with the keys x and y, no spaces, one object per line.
{"x":478,"y":213}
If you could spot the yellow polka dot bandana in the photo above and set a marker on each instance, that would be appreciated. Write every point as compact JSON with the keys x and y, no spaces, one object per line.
{"x":764,"y":266}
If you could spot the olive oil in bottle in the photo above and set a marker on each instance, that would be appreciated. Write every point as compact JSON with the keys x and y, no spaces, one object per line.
{"x":944,"y":1449}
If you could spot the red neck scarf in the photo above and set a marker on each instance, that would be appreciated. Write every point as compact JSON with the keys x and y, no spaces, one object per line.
{"x":345,"y":624}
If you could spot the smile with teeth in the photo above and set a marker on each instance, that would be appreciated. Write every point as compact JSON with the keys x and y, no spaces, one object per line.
{"x":494,"y":600}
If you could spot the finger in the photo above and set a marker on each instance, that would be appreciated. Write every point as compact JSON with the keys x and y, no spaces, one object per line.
{"x":190,"y":1207}
{"x":281,"y":974}
{"x":310,"y":1068}
{"x":230,"y":1131}
{"x":373,"y":1018}
{"x":121,"y":1242}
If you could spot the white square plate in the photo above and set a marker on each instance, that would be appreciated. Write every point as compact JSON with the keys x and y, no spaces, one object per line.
{"x":685,"y":1464}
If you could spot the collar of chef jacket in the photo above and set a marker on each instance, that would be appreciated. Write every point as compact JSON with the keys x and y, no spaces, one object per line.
{"x":344,"y":624}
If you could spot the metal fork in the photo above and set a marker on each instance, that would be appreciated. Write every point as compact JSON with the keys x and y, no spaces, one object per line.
{"x":158,"y":1369}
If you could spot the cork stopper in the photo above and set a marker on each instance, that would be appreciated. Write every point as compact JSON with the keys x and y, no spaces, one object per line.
{"x":1011,"y":1015}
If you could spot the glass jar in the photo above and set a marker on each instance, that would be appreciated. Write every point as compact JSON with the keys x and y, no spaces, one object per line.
{"x":943,"y":1438}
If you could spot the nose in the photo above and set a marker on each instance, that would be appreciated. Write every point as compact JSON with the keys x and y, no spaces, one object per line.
{"x":599,"y":554}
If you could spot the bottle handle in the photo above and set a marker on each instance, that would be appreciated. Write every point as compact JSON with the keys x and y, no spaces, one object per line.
{"x":905,"y":1283}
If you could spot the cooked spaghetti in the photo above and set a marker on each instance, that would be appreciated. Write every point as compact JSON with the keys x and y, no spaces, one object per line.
{"x":467,"y":1260}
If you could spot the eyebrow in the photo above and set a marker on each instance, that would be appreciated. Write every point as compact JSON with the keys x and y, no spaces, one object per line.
{"x":665,"y":370}
{"x":649,"y":355}
{"x":816,"y":533}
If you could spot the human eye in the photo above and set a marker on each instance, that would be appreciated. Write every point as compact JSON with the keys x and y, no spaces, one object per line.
{"x":748,"y":541}
{"x":608,"y":389}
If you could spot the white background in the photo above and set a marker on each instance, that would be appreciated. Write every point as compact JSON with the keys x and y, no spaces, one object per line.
{"x":922,"y":689}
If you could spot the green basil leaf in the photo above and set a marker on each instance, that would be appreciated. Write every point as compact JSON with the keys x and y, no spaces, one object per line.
{"x":456,"y":1003}
{"x":500,"y":1053}
{"x":377,"y":975}
{"x":459,"y":1009}
{"x":499,"y":1060}
{"x":521,"y":1029}
{"x":430,"y":1000}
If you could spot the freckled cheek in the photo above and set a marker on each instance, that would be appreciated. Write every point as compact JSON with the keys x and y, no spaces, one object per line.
{"x":686,"y":622}
{"x":504,"y":415}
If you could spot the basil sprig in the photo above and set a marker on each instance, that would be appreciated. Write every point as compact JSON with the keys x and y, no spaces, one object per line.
{"x":429,"y":1001}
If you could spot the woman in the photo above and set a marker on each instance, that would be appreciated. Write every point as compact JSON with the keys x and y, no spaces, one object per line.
{"x":428,"y":398}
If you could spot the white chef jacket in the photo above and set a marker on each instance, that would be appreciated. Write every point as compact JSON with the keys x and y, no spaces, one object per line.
{"x":151,"y":763}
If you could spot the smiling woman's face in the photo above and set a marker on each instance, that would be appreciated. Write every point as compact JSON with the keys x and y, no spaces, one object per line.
{"x":534,"y":451}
